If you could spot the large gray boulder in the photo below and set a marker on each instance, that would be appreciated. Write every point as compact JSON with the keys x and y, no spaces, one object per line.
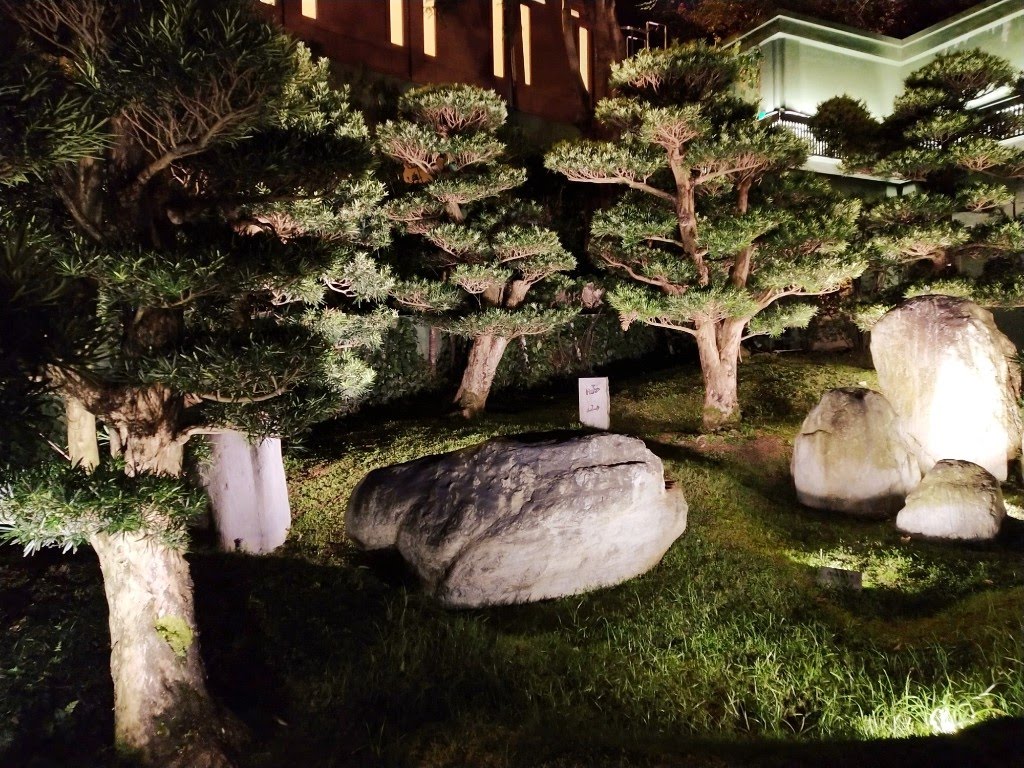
{"x":515,"y":520}
{"x":853,"y":455}
{"x":955,"y":500}
{"x":948,"y":372}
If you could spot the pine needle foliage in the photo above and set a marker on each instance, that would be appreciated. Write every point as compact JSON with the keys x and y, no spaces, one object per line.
{"x":712,"y":228}
{"x":957,"y":234}
{"x":203,"y":193}
{"x":58,"y":505}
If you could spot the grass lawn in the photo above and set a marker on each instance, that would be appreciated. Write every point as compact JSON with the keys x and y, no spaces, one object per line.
{"x":728,"y":653}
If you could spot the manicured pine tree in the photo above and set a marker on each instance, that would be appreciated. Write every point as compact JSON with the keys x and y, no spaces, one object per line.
{"x":936,"y":138}
{"x":480,"y":251}
{"x":190,"y":189}
{"x":713,"y":234}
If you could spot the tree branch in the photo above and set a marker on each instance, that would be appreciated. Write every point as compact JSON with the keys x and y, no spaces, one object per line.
{"x":87,"y":226}
{"x":669,"y":240}
{"x":216,"y":397}
{"x":770,"y":297}
{"x":665,"y":285}
{"x":182,"y":150}
{"x":200,"y":430}
{"x":670,"y":326}
{"x":631,"y":183}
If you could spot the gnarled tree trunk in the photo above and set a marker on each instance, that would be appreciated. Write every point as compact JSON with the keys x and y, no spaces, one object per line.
{"x":162,"y":712}
{"x":83,"y":449}
{"x":143,"y":429}
{"x":718,"y":345}
{"x":484,"y":357}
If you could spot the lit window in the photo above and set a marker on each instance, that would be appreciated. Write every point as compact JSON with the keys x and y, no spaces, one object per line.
{"x":498,"y":36}
{"x":584,"y":47}
{"x":309,"y":8}
{"x":524,"y":25}
{"x":397,"y":11}
{"x":429,"y":28}
{"x":268,"y":2}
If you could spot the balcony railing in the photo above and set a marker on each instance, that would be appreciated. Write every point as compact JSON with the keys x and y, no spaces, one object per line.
{"x":1013,"y":107}
{"x":799,"y":124}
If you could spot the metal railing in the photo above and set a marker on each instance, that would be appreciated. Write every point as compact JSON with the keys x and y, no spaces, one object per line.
{"x":799,"y":123}
{"x":1013,"y":107}
{"x":651,"y":34}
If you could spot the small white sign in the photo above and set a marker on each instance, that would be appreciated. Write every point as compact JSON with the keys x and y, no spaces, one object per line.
{"x":595,"y":403}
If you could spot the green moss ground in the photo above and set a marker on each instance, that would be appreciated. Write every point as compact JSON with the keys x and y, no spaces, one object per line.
{"x":728,"y":653}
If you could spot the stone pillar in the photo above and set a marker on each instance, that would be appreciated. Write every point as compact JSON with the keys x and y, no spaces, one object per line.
{"x":248,"y":493}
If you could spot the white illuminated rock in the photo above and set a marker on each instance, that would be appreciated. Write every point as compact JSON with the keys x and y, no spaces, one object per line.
{"x":947,"y":371}
{"x":248,"y":493}
{"x":852,"y":455}
{"x":512,"y":521}
{"x":955,"y":500}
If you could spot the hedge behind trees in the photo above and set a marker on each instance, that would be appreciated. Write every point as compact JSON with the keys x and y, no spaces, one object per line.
{"x":587,"y":345}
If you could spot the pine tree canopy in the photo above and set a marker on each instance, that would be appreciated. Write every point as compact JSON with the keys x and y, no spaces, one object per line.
{"x":189,"y":227}
{"x":477,"y":253}
{"x":206,"y":189}
{"x":471,"y":252}
{"x":955,"y":152}
{"x":712,"y":230}
{"x":684,"y":141}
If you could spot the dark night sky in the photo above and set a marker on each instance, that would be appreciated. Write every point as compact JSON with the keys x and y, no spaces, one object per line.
{"x":689,"y":18}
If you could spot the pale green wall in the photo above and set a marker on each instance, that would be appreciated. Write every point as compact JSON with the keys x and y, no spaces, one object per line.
{"x":1005,"y":38}
{"x":813,"y":74}
{"x":805,"y":61}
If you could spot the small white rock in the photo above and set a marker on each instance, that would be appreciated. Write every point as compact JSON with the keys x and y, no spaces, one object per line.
{"x":955,"y":500}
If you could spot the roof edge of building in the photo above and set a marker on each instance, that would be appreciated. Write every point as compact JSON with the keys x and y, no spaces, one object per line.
{"x":896,"y":50}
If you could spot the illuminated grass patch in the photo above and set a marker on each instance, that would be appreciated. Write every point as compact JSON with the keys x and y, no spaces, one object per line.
{"x":726,"y":651}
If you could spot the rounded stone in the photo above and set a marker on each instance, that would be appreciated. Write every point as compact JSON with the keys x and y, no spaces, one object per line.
{"x":950,"y":374}
{"x":955,"y":500}
{"x":515,"y":520}
{"x":852,"y":455}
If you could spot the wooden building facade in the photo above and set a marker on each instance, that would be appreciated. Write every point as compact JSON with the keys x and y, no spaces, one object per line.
{"x":547,"y":58}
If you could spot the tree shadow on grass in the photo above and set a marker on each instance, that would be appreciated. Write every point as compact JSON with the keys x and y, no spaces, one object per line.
{"x":344,"y":666}
{"x":56,"y":695}
{"x":993,"y":744}
{"x":683,"y":454}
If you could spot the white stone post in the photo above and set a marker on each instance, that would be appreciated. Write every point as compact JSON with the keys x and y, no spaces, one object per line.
{"x":248,"y":493}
